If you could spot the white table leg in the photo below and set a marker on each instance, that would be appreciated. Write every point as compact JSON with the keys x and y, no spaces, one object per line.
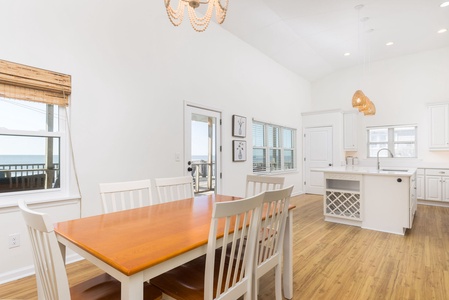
{"x":132,"y":287}
{"x":62,"y":248}
{"x":288,"y":257}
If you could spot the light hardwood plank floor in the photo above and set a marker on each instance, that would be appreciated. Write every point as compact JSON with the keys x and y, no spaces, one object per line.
{"x":334,"y":261}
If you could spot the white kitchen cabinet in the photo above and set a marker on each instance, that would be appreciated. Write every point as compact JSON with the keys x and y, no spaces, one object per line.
{"x":438,"y":126}
{"x":437,"y":185}
{"x":390,"y":203}
{"x":350,"y":131}
{"x":420,"y":184}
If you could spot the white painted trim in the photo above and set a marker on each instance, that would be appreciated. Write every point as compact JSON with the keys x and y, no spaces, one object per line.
{"x":29,"y":270}
{"x":12,"y":207}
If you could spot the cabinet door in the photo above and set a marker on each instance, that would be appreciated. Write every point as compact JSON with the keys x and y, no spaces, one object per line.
{"x":420,"y":187}
{"x":433,"y":188}
{"x":350,"y":131}
{"x":445,"y":188}
{"x":438,"y":125}
{"x":413,"y":199}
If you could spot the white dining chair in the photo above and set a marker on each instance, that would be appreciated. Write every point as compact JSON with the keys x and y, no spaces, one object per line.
{"x":51,"y":276}
{"x":118,"y":196}
{"x":256,"y":184}
{"x":269,"y":249}
{"x":225,"y":275}
{"x":174,"y":188}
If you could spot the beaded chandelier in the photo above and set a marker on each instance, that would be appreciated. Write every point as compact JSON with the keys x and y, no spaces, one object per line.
{"x":198,"y":23}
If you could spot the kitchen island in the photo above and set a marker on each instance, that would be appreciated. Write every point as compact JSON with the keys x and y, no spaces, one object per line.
{"x":382,"y":200}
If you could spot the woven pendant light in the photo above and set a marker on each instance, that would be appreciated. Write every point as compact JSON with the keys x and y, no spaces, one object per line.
{"x":371,"y":110}
{"x":359,"y":99}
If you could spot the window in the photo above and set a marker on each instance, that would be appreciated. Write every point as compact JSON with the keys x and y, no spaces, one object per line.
{"x":400,"y":140}
{"x":273,"y":148}
{"x":30,"y":146}
{"x":31,"y":138}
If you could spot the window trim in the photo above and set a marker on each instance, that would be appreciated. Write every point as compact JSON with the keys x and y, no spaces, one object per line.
{"x":45,"y":195}
{"x":280,"y":148}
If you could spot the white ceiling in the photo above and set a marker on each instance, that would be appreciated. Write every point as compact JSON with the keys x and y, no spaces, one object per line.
{"x":309,"y":37}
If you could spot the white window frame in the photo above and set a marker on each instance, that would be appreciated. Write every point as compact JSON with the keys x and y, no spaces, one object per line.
{"x":281,"y":148}
{"x":44,"y":195}
{"x":390,"y":139}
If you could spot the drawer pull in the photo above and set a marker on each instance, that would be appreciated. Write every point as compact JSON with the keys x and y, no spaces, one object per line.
{"x":442,"y":172}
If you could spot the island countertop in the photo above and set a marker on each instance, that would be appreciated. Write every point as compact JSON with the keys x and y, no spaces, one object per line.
{"x":384,"y":171}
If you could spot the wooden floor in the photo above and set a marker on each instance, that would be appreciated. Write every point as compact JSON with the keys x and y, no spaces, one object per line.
{"x":334,"y":261}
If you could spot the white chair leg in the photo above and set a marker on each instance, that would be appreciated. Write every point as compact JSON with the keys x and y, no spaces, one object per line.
{"x":278,"y":282}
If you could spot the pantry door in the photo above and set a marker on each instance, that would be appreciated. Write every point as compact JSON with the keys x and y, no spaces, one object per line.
{"x":317,"y":154}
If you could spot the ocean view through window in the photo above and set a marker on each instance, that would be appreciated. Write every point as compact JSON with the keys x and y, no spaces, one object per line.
{"x":274,"y":148}
{"x":30,"y":143}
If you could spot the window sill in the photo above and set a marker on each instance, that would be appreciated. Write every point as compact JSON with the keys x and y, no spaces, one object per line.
{"x":8,"y":201}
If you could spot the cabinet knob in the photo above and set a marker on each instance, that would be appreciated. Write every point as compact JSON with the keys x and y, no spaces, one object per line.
{"x":399,"y":180}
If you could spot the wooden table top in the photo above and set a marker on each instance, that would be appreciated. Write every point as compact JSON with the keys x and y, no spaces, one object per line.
{"x":137,"y":239}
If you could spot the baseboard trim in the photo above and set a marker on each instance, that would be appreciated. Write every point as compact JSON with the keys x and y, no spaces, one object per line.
{"x":29,"y":270}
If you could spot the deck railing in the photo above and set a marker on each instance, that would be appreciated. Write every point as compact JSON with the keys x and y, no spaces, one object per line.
{"x":203,"y":176}
{"x":20,"y":177}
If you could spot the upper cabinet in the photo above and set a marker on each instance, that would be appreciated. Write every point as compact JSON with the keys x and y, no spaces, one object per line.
{"x":350,"y":131}
{"x":438,"y":126}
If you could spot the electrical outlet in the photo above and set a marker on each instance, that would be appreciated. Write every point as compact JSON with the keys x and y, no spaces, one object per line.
{"x":14,"y":240}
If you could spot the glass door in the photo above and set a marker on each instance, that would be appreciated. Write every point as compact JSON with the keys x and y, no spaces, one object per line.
{"x":202,"y":150}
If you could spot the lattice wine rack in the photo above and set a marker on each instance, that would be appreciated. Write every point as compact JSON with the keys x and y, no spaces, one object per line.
{"x":343,"y":204}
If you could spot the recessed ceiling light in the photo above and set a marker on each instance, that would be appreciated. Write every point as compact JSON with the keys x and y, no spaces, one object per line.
{"x":347,"y":54}
{"x":442,"y":30}
{"x":444,"y":4}
{"x":389,"y":43}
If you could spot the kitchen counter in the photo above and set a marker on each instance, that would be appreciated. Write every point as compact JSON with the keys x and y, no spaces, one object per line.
{"x":386,"y":171}
{"x":382,"y":200}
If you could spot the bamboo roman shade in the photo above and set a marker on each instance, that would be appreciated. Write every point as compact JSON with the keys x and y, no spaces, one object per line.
{"x":32,"y":84}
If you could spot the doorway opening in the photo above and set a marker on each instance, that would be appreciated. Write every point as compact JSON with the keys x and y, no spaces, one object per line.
{"x":202,"y":148}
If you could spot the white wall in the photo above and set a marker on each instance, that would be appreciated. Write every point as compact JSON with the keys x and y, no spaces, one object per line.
{"x":400,"y":88}
{"x":131,"y":73}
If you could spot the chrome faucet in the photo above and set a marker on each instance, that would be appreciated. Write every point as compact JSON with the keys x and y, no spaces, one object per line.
{"x":378,"y":162}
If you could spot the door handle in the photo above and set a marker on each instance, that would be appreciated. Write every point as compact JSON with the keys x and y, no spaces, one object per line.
{"x":189,"y":169}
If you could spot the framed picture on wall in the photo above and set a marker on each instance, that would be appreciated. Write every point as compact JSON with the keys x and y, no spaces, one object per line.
{"x":239,"y":150}
{"x":238,"y":126}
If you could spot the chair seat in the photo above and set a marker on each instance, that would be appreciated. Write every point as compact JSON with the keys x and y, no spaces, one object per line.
{"x":105,"y":287}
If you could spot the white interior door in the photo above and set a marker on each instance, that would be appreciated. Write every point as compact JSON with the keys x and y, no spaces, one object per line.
{"x":202,"y":142}
{"x":318,"y":154}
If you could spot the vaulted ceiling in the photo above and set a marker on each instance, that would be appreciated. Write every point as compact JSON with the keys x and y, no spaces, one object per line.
{"x":310,"y":37}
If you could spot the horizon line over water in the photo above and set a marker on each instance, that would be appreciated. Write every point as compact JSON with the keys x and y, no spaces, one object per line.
{"x":25,"y":159}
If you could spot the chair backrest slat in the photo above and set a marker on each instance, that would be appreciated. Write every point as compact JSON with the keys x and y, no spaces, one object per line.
{"x":51,"y":276}
{"x":272,"y":227}
{"x":118,"y":196}
{"x":174,"y":188}
{"x":236,"y":221}
{"x":256,"y":184}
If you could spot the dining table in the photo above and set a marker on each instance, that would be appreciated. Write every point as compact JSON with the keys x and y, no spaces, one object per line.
{"x":138,"y":244}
